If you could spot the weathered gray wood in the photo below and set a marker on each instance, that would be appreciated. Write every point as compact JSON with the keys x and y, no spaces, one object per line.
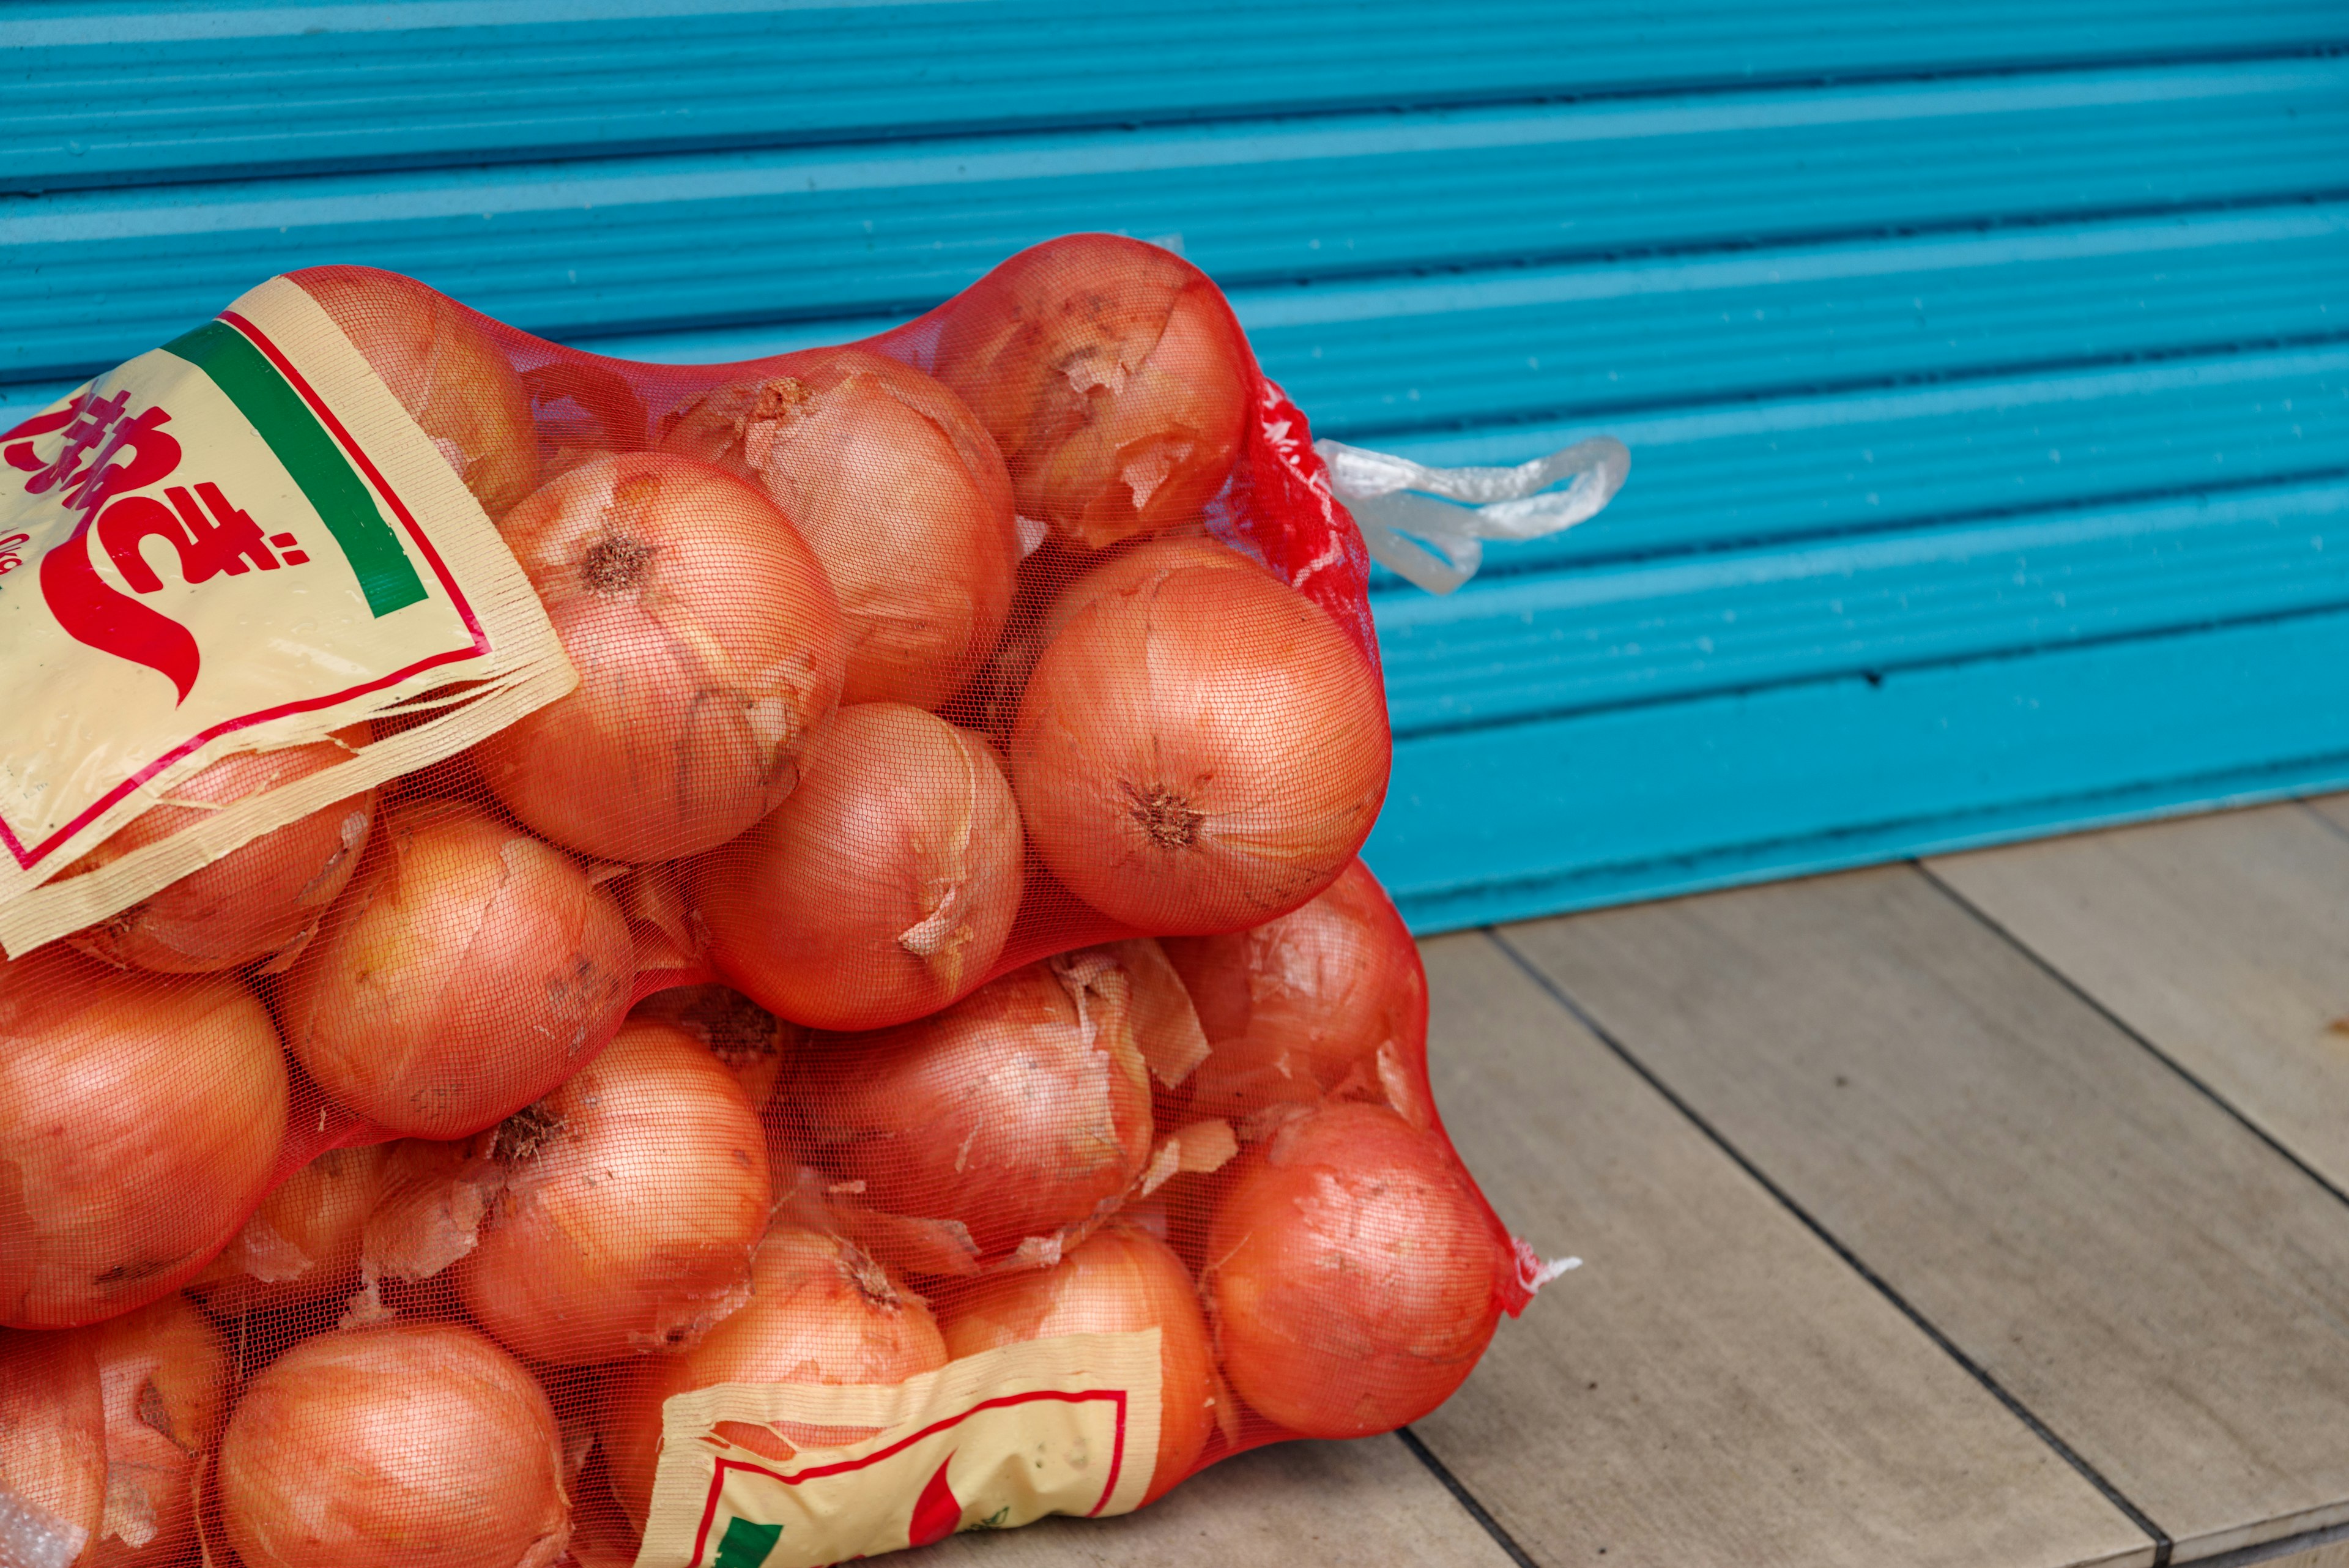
{"x":2222,"y":940}
{"x":2164,"y":1290}
{"x":1714,"y":1385}
{"x":1300,"y":1503}
{"x":2332,"y":1554}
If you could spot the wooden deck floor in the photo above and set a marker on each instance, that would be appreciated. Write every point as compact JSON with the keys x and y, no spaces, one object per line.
{"x":1989,"y":1210}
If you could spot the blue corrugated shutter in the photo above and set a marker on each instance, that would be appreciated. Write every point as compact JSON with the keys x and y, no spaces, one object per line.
{"x":1986,"y":363}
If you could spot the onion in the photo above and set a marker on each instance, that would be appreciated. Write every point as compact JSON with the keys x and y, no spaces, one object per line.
{"x":52,"y":1445}
{"x":460,"y":978}
{"x":165,"y":1381}
{"x":400,"y":1446}
{"x":442,"y":363}
{"x":745,"y":1037}
{"x":303,"y":1243}
{"x":708,"y":649}
{"x":633,"y":1197}
{"x":1351,"y":1275}
{"x":900,"y":493}
{"x":260,"y":897}
{"x":882,"y":889}
{"x":1015,"y":1118}
{"x":139,"y":1119}
{"x":1120,"y":1280}
{"x":820,"y":1312}
{"x":1113,"y":378}
{"x":1199,"y":752}
{"x":1329,"y":999}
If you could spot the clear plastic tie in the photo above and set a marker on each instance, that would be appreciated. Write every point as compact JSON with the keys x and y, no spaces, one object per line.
{"x":1429,"y":524}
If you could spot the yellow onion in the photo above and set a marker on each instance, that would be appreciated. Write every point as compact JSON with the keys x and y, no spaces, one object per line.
{"x":52,"y":1443}
{"x":1350,"y":1273}
{"x":1199,"y":750}
{"x":1120,"y":1280}
{"x":460,"y":978}
{"x":1112,"y":376}
{"x":139,"y":1119}
{"x":263,"y":896}
{"x":882,"y":888}
{"x":1014,"y":1119}
{"x":303,"y":1243}
{"x":633,"y":1197}
{"x":750,"y":1041}
{"x":820,"y":1312}
{"x":444,"y":364}
{"x":164,"y":1376}
{"x":1329,"y":999}
{"x":900,"y":493}
{"x":707,"y":644}
{"x":399,"y":1445}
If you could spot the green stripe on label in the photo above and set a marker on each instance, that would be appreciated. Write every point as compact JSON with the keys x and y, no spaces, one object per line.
{"x":747,"y":1545}
{"x":309,"y":454}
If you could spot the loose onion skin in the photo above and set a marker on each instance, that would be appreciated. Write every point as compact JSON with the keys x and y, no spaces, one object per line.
{"x":882,"y":888}
{"x":460,"y":977}
{"x":1351,"y":1275}
{"x":254,"y":901}
{"x":820,"y":1312}
{"x":633,"y":1198}
{"x":164,"y":1376}
{"x":747,"y":1039}
{"x":901,"y":494}
{"x":1304,"y":1005}
{"x":1018,"y":1116}
{"x":139,"y":1118}
{"x":1112,"y":376}
{"x":441,"y":361}
{"x":1119,"y":1280}
{"x":1199,"y":752}
{"x":708,"y":645}
{"x":403,"y":1446}
{"x":303,"y":1243}
{"x":53,"y":1434}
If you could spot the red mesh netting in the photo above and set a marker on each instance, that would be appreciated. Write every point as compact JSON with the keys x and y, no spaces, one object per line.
{"x":931,"y":926}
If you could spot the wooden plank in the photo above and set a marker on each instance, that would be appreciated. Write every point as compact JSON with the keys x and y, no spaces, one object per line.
{"x":2333,"y":808}
{"x":1714,"y":1384}
{"x":1368,"y":1502}
{"x":2144,"y":1273}
{"x":2224,"y":941}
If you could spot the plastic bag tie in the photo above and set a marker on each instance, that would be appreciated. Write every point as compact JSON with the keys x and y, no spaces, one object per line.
{"x":1429,"y":524}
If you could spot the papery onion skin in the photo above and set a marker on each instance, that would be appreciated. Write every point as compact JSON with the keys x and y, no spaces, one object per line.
{"x":139,"y":1118}
{"x":53,"y":1430}
{"x":303,"y":1242}
{"x":1299,"y":1007}
{"x":1200,"y":752}
{"x":441,"y":361}
{"x":747,"y":1039}
{"x":880,"y":891}
{"x":401,"y":1446}
{"x":1120,"y":1280}
{"x":461,"y":976}
{"x":1134,"y":568}
{"x":901,"y":494}
{"x":820,"y":1312}
{"x":1351,"y":1275}
{"x":1112,"y":376}
{"x":708,"y":645}
{"x":1009,"y":1113}
{"x":165,"y":1379}
{"x":258,"y":898}
{"x":630,"y":1208}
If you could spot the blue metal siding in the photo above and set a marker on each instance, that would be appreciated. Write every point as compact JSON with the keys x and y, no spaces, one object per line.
{"x":1985,"y":364}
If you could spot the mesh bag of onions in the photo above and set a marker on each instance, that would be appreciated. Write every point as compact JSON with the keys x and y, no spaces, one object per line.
{"x":618,"y":963}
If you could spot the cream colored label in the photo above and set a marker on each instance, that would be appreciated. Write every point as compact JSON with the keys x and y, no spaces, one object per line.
{"x":238,"y":542}
{"x":993,"y":1440}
